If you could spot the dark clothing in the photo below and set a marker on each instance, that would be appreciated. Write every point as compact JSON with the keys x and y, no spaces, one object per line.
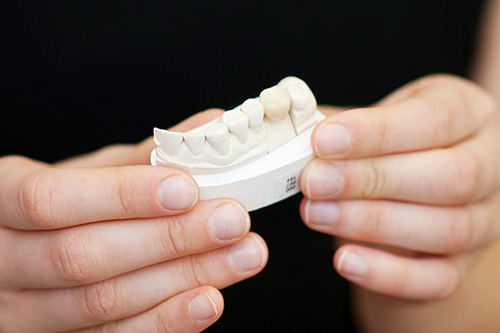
{"x":77,"y":75}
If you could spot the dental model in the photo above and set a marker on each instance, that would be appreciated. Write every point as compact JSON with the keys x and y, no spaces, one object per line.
{"x":253,"y":153}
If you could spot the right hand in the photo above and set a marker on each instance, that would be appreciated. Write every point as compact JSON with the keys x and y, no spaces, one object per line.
{"x":125,"y":248}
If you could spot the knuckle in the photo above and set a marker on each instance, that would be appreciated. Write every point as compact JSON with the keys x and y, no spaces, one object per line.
{"x":125,"y":191}
{"x":442,"y":117}
{"x":102,"y":300}
{"x":165,"y":323}
{"x":461,"y":233}
{"x":372,"y":228}
{"x":171,"y":242}
{"x":384,"y":135}
{"x":375,"y":180}
{"x":37,"y":196}
{"x":71,"y":259}
{"x":15,"y":160}
{"x":442,"y":80}
{"x":195,"y":272}
{"x":464,"y":177}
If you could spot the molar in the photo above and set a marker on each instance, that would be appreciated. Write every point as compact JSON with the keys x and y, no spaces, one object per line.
{"x":218,"y":137}
{"x":195,"y":142}
{"x":276,"y":101}
{"x":303,"y":102}
{"x":255,"y":112}
{"x":237,"y":123}
{"x":300,"y":97}
{"x":170,"y":142}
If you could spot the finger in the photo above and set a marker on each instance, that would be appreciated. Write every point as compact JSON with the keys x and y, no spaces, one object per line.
{"x":438,"y":111}
{"x":191,"y":311}
{"x":121,"y":155}
{"x":38,"y":197}
{"x":112,"y":156}
{"x":96,"y":252}
{"x":440,"y":177}
{"x":329,"y":110}
{"x":419,"y":278}
{"x":429,"y":229}
{"x":140,"y":290}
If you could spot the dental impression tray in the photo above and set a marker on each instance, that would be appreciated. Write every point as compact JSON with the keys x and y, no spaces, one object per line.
{"x":253,"y":153}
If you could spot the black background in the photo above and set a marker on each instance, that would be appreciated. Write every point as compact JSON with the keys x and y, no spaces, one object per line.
{"x":77,"y":75}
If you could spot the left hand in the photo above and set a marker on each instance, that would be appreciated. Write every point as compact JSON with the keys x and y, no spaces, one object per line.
{"x":414,"y":181}
{"x":116,"y":248}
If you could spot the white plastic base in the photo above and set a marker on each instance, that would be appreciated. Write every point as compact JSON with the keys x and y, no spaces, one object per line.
{"x":264,"y":181}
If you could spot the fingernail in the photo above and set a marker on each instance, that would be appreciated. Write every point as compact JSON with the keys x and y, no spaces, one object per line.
{"x":202,"y":307}
{"x":352,"y":264}
{"x":331,"y":139}
{"x":177,"y":192}
{"x":228,"y":221}
{"x":246,"y":255}
{"x":323,"y":179}
{"x":321,"y":213}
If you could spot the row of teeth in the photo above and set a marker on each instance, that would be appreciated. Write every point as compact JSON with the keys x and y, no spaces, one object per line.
{"x":233,"y":122}
{"x":245,"y":125}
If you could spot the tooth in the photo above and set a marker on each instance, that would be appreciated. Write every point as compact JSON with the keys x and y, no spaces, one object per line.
{"x":218,"y":137}
{"x":303,"y":102}
{"x":291,"y":81}
{"x":299,"y":92}
{"x":237,"y":123}
{"x":300,"y":97}
{"x":255,"y":112}
{"x":195,"y":142}
{"x":170,"y":142}
{"x":276,"y":102}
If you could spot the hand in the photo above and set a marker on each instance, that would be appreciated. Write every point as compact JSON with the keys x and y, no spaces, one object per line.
{"x":116,"y":248}
{"x":413,"y":182}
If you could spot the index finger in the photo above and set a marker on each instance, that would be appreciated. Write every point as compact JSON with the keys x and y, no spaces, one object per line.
{"x":35,"y":196}
{"x":433,"y":112}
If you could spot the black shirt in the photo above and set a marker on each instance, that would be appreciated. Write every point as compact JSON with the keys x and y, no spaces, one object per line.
{"x":77,"y":75}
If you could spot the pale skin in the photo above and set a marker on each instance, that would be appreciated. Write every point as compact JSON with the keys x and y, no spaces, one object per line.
{"x":411,"y":188}
{"x":94,"y":245}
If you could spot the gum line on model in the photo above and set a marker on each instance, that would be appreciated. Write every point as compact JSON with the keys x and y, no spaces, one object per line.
{"x":253,"y":153}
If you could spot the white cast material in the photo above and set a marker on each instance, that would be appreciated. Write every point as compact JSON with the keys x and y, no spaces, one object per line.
{"x":264,"y":181}
{"x":253,"y":153}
